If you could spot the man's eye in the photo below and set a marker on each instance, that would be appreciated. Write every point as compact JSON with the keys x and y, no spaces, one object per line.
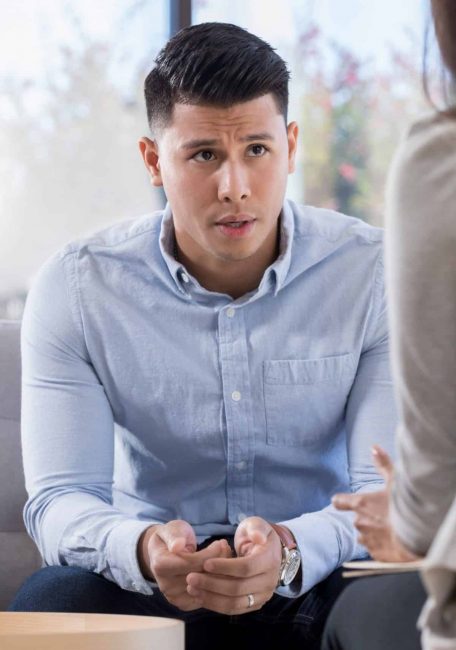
{"x":204,"y":156}
{"x":257,"y":150}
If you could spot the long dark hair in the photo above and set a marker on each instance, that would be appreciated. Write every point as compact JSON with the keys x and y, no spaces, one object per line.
{"x":444,"y":19}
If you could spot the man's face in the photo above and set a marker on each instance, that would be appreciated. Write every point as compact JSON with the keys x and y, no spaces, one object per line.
{"x":224,"y":172}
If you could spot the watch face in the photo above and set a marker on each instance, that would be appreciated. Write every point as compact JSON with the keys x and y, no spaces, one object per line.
{"x":291,"y":567}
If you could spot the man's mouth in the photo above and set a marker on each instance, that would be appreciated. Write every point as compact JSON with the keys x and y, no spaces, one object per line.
{"x":236,"y":227}
{"x":235,"y":224}
{"x":234,"y":219}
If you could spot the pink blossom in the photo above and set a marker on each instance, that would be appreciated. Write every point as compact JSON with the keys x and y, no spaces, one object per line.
{"x":348,"y":172}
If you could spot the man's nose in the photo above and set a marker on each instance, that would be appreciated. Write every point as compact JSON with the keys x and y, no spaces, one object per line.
{"x":233,"y":183}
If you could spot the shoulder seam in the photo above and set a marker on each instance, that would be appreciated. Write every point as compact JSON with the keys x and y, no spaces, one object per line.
{"x":75,"y":247}
{"x":367,"y":240}
{"x":377,"y":284}
{"x":75,"y":302}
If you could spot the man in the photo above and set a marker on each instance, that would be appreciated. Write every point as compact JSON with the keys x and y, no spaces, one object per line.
{"x":239,"y":344}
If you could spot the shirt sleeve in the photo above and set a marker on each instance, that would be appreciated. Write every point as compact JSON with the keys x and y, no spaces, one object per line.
{"x":327,"y":538}
{"x":68,"y":440}
{"x":421,"y":275}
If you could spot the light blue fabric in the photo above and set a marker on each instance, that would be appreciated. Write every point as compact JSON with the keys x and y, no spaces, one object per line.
{"x":216,"y":409}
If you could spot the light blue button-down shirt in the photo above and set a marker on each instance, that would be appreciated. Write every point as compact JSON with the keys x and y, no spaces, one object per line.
{"x":147,"y":398}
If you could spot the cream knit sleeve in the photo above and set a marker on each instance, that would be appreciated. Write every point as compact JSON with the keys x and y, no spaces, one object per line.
{"x":421,"y":279}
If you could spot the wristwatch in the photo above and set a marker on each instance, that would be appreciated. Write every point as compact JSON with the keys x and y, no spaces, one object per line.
{"x":291,"y":557}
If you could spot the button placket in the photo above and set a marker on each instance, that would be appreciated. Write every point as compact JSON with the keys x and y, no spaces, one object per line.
{"x":236,"y":391}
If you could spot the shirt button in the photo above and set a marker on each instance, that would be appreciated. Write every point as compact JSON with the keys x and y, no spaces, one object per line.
{"x":241,"y":516}
{"x":230,"y":312}
{"x":235,"y":396}
{"x":185,"y":278}
{"x":241,"y":465}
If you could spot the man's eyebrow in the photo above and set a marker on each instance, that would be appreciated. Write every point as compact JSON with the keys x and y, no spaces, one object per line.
{"x":252,"y":137}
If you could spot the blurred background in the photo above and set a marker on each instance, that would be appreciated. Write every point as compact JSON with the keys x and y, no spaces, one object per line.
{"x":71,"y":108}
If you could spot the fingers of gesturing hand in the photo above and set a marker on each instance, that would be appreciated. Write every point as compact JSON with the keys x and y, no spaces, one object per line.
{"x":372,"y":505}
{"x":385,"y":546}
{"x":347,"y":501}
{"x":379,"y":548}
{"x":383,"y":463}
{"x":367,"y":523}
{"x":366,"y":501}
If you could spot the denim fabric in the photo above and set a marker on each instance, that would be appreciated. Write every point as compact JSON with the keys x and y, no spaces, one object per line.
{"x":281,"y":623}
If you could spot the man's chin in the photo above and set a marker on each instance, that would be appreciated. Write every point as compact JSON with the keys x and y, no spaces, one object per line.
{"x":233,"y":256}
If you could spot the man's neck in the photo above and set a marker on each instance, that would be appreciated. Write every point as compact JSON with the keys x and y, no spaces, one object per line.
{"x":235,"y":278}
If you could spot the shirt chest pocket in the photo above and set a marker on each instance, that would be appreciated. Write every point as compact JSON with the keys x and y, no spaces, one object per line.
{"x":305,"y":398}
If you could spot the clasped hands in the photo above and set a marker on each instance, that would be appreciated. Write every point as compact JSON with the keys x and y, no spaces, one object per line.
{"x":372,"y":515}
{"x":212,"y":578}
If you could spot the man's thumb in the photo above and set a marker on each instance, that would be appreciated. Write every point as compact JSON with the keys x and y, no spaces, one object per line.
{"x":178,"y":536}
{"x":251,"y":531}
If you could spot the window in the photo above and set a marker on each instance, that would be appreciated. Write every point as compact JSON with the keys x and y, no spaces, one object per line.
{"x":72,"y":109}
{"x":355,"y":85}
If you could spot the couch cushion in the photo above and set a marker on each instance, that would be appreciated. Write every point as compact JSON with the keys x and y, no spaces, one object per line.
{"x":19,"y":558}
{"x":12,"y":488}
{"x":10,"y":370}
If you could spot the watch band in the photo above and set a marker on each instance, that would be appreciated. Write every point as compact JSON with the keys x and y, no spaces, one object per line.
{"x":285,"y":535}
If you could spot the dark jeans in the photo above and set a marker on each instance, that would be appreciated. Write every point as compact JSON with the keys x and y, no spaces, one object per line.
{"x":377,"y":613}
{"x":281,"y":623}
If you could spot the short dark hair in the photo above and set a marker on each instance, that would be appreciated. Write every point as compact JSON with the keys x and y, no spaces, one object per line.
{"x":213,"y":64}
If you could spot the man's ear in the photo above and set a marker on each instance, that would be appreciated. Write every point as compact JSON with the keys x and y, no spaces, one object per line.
{"x":151,"y":157}
{"x":292,"y":136}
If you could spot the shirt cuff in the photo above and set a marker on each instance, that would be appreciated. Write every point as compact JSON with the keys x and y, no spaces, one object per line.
{"x":122,"y":556}
{"x":325,"y":539}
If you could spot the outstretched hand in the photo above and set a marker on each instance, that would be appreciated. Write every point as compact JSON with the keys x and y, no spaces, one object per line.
{"x":372,"y":519}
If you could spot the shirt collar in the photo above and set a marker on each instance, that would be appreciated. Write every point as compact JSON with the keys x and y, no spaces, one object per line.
{"x":281,"y":265}
{"x":167,"y":245}
{"x":274,"y":276}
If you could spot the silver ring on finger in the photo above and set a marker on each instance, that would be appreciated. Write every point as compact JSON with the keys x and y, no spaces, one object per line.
{"x":250,"y":601}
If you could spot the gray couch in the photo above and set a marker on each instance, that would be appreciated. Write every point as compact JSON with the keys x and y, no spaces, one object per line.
{"x":18,"y":554}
